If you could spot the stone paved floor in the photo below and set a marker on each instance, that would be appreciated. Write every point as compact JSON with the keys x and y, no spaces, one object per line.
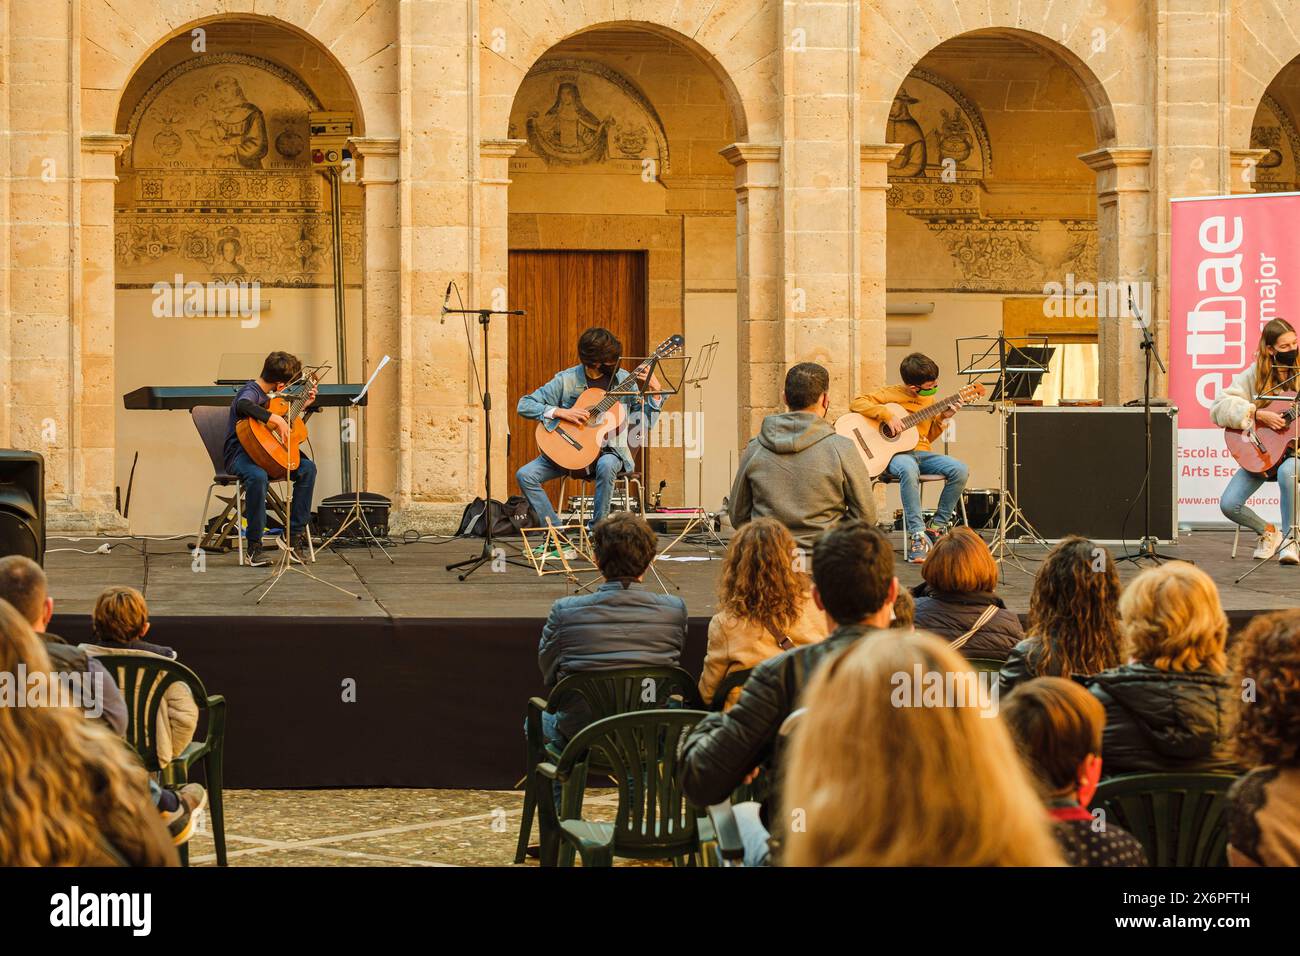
{"x":374,"y":827}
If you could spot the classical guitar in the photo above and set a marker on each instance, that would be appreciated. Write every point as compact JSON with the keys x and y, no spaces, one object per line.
{"x":576,"y":446}
{"x":876,"y":447}
{"x":1260,"y":449}
{"x":260,"y":439}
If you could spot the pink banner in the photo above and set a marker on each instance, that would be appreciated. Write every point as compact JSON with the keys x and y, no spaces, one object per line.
{"x":1234,"y":265}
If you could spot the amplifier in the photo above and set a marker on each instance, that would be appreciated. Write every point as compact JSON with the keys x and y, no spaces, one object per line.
{"x":1081,"y":471}
{"x":332,"y":512}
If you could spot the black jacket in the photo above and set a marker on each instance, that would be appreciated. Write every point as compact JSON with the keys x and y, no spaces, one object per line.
{"x":1164,"y":721}
{"x":723,"y":748}
{"x":69,"y":658}
{"x":950,"y":615}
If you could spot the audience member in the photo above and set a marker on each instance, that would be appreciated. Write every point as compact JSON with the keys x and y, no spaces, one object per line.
{"x":23,"y":584}
{"x":877,"y":778}
{"x":854,"y":583}
{"x":71,"y":794}
{"x":956,"y":600}
{"x":619,"y":624}
{"x":1264,"y":805}
{"x":904,"y":610}
{"x":1058,"y":725}
{"x":765,"y":606}
{"x":1073,"y":616}
{"x":1168,"y":709}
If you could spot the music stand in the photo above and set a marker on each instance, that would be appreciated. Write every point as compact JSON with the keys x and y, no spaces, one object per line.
{"x":284,"y":562}
{"x":695,"y":376}
{"x":1014,"y":362}
{"x":355,"y":513}
{"x":1293,"y":530}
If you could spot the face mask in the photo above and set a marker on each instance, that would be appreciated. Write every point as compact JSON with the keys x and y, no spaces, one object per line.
{"x":927,"y":392}
{"x":1285,"y":359}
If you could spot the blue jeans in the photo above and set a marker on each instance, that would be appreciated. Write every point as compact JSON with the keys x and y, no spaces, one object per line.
{"x":1244,"y":484}
{"x":255,"y":484}
{"x":908,"y":468}
{"x":753,"y":835}
{"x":551,"y":735}
{"x":541,"y":469}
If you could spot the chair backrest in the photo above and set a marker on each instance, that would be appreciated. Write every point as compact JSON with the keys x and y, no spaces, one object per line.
{"x":622,"y":689}
{"x":212,"y":422}
{"x":1179,"y":818}
{"x":729,"y":683}
{"x":143,"y":681}
{"x":640,"y":750}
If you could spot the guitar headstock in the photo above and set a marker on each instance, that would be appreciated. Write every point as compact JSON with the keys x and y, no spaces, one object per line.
{"x":670,"y":345}
{"x":972,"y":391}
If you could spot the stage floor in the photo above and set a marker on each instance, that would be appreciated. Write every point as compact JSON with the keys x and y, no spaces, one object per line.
{"x":416,"y":585}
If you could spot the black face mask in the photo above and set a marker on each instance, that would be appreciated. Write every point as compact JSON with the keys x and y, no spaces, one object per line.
{"x":1285,"y":359}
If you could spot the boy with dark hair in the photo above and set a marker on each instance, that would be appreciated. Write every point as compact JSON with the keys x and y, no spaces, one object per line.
{"x":920,"y":375}
{"x":797,"y":470}
{"x":599,"y":351}
{"x":279,"y":369}
{"x":854,"y":583}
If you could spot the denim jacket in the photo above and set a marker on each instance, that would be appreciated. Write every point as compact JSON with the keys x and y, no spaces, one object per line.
{"x":564,"y":390}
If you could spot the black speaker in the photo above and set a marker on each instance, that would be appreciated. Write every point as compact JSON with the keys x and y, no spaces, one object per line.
{"x":1081,"y":470}
{"x":22,"y":504}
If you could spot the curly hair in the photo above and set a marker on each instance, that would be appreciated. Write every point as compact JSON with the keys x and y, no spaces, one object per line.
{"x":1074,"y":610}
{"x":1171,"y":618}
{"x":759,"y":581}
{"x":1267,"y":652}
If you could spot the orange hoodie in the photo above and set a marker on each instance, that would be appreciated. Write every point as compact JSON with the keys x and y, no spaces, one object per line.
{"x":872,"y":405}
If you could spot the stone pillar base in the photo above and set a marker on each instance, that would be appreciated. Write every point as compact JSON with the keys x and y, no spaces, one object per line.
{"x":425,"y":517}
{"x":67,"y":516}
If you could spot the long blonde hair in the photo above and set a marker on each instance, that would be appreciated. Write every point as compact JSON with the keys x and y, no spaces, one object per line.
{"x":1171,"y":618}
{"x":874,"y":784}
{"x":1266,"y":370}
{"x":63,"y":780}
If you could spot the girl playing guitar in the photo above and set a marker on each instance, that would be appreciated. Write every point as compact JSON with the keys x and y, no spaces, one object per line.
{"x":1235,"y":407}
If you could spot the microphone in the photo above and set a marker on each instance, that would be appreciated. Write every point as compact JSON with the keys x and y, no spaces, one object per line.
{"x":446,"y":301}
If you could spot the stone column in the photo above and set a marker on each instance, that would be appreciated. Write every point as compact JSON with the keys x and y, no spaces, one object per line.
{"x":1125,"y":254}
{"x":760,"y":342}
{"x":381,"y":312}
{"x":873,"y":183}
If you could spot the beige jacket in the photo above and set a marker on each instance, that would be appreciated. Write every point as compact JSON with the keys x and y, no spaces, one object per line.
{"x":178,"y":714}
{"x":737,"y":645}
{"x":1233,"y":406}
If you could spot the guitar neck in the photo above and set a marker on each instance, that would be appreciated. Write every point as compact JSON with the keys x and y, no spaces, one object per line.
{"x":930,"y":410}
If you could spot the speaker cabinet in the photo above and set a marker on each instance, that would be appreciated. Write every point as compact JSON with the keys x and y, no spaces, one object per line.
{"x":1081,"y":471}
{"x":22,"y":504}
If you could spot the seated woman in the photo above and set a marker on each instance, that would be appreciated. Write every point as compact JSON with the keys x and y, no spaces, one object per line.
{"x":1168,"y":709}
{"x":957,"y":602}
{"x":765,"y":606}
{"x":73,"y":794}
{"x":954,"y":792}
{"x":1264,"y":805}
{"x":1073,"y":616}
{"x":1057,"y":725}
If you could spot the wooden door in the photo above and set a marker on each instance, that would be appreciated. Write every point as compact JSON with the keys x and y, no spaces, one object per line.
{"x":564,"y":294}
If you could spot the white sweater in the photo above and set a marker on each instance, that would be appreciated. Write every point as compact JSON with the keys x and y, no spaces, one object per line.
{"x":1233,"y":406}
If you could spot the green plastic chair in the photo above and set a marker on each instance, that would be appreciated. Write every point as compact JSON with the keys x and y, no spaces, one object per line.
{"x":606,"y":692}
{"x":144,"y":681}
{"x":729,"y":683}
{"x":1179,"y":818}
{"x":654,"y":820}
{"x":985,"y":664}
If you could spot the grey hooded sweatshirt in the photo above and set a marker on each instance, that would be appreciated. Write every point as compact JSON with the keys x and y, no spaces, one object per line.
{"x":801,"y":473}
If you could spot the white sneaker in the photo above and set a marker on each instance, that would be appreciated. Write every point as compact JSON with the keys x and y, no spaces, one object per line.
{"x":1289,"y":554}
{"x":1268,"y":542}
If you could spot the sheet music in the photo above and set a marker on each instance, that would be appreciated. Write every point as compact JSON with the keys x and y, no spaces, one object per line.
{"x":370,"y":381}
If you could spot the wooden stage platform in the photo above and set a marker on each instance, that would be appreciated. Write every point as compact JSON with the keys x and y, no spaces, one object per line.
{"x":441,"y":669}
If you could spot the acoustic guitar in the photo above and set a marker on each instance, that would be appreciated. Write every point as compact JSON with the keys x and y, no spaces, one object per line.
{"x":876,"y":447}
{"x":1260,"y":449}
{"x":576,"y":446}
{"x":261,"y":441}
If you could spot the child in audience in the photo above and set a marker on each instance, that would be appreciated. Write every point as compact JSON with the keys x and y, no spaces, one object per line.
{"x":1169,"y":708}
{"x":765,"y":605}
{"x":877,"y":779}
{"x":957,"y":602}
{"x":73,"y":794}
{"x":1073,"y":616}
{"x":1264,"y":805}
{"x":1057,"y":726}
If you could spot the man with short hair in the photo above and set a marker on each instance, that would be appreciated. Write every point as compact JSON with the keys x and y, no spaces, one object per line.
{"x":24,"y":585}
{"x":854,"y":584}
{"x":619,"y":624}
{"x":798,"y":470}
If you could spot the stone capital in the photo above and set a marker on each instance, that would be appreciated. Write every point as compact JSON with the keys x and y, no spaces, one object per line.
{"x":1243,"y":163}
{"x":757,"y":165}
{"x":1119,"y":169}
{"x":875,"y":159}
{"x":380,"y":157}
{"x":99,"y":156}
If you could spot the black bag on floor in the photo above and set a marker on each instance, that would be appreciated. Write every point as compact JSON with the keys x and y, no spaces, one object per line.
{"x":506,"y":518}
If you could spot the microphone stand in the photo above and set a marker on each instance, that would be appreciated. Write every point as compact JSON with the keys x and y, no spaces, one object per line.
{"x":488,"y":554}
{"x":1147,"y":548}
